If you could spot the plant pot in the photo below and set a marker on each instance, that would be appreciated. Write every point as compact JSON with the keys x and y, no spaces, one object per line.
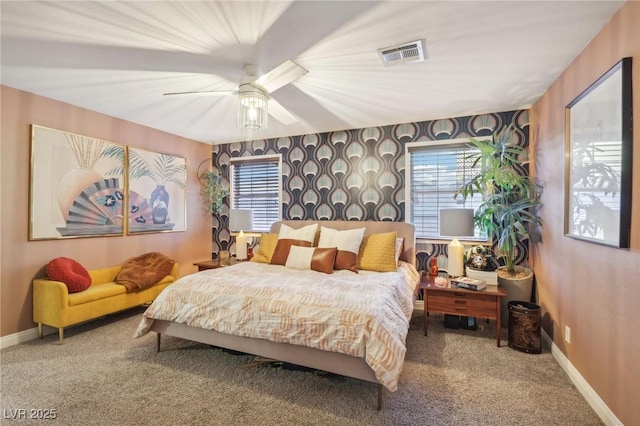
{"x":490,"y":277}
{"x":518,"y":288}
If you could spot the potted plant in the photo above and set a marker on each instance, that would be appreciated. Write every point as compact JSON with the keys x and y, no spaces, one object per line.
{"x":481,"y":263}
{"x":213,"y":190}
{"x":508,"y":212}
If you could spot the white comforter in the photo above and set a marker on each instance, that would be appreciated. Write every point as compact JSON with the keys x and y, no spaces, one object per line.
{"x":364,"y":315}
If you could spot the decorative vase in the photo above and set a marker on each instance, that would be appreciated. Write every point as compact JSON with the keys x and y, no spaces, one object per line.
{"x":72,"y":184}
{"x":490,"y":277}
{"x":160,"y":205}
{"x":518,"y":289}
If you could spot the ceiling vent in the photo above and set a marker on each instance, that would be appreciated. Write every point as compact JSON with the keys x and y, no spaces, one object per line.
{"x":412,"y":51}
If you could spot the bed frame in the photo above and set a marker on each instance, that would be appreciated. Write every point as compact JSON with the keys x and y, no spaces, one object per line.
{"x":333,"y":362}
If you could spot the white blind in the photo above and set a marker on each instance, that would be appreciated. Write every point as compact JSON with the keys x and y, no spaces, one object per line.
{"x":437,"y":171}
{"x":256,"y":186}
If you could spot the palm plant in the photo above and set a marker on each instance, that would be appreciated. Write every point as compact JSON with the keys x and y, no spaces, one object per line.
{"x":508,"y":212}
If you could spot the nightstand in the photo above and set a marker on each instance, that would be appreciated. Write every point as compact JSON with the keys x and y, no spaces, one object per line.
{"x":213,"y":264}
{"x":458,"y":301}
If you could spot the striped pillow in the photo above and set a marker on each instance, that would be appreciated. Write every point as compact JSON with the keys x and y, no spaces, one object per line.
{"x":288,"y":237}
{"x":317,"y":259}
{"x":348,"y":244}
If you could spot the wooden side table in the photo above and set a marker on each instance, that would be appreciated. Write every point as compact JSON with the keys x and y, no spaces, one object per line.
{"x":212,"y":264}
{"x":458,"y":301}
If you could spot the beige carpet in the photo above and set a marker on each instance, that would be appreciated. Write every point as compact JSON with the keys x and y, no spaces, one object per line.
{"x":102,"y":376}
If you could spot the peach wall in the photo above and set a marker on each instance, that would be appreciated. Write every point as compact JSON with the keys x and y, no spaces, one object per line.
{"x":23,"y":260}
{"x":593,"y":289}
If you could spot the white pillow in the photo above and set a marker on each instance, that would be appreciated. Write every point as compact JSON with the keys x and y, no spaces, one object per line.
{"x":399,"y":248}
{"x":347,"y":240}
{"x":306,"y":233}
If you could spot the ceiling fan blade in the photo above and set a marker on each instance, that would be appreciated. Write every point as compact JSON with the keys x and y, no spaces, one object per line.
{"x":280,"y":113}
{"x":76,"y":55}
{"x":283,"y":74}
{"x":204,"y":93}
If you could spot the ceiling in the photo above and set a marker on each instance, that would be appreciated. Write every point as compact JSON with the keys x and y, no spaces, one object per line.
{"x":119,"y":58}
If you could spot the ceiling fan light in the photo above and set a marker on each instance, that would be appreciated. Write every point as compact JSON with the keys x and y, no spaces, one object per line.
{"x":252,"y":109}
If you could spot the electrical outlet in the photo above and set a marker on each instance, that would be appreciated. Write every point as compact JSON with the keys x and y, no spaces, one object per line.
{"x":567,"y":334}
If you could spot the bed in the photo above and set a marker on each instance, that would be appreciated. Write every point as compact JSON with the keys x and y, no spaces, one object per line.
{"x":351,"y":324}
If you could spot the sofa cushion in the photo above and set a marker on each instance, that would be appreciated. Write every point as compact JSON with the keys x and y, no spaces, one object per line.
{"x":70,"y":272}
{"x":96,"y":292}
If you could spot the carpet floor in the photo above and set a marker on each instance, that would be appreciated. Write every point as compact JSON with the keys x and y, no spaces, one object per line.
{"x":103,"y":376}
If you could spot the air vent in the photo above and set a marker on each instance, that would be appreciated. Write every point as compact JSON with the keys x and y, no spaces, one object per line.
{"x":412,"y":51}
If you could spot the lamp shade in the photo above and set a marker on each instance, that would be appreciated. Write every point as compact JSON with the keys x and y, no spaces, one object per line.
{"x":240,"y":220}
{"x":252,"y":108}
{"x":456,"y":223}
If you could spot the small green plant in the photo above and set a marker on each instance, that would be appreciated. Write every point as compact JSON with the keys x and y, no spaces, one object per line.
{"x":508,"y":212}
{"x":213,"y":190}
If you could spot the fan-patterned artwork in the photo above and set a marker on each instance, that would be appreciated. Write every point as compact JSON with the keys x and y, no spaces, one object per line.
{"x":140,"y":210}
{"x":98,"y":209}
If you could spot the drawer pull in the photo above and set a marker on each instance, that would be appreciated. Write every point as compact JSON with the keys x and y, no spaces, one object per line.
{"x":460,"y":294}
{"x":460,"y":302}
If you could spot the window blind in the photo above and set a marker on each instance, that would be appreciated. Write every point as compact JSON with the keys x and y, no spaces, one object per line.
{"x":256,"y":186}
{"x":436,"y":173}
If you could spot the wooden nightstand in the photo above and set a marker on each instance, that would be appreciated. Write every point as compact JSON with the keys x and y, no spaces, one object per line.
{"x":212,"y":264}
{"x":458,"y":301}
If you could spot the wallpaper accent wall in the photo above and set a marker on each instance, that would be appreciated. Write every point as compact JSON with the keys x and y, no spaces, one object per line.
{"x":356,"y":174}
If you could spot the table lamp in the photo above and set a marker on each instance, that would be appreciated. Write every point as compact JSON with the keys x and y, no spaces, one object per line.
{"x":456,"y":223}
{"x":239,"y":221}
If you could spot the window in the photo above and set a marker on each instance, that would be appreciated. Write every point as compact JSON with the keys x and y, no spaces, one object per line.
{"x":256,"y":185}
{"x":435,"y":170}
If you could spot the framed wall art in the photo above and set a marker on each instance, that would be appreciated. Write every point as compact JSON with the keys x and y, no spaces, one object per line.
{"x":599,"y":144}
{"x":157,"y":192}
{"x":76,"y":186}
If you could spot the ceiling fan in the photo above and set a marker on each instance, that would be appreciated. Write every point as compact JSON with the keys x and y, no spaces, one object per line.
{"x":254,"y":100}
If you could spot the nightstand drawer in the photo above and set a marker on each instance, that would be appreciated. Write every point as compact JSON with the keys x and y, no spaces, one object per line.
{"x":455,"y":299}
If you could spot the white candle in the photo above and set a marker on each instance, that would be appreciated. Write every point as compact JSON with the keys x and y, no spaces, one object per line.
{"x":241,"y":246}
{"x":455,"y":265}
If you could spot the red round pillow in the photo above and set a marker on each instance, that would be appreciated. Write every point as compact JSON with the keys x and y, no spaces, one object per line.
{"x":69,"y":272}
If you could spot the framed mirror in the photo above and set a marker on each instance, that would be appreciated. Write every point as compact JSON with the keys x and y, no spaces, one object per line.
{"x":599,"y":144}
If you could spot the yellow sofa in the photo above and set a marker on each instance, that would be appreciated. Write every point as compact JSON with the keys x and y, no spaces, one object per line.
{"x":55,"y":307}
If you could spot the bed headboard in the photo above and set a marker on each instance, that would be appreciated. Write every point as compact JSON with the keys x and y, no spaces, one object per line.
{"x":404,"y":230}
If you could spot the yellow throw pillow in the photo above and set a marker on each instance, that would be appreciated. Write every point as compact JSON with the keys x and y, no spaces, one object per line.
{"x":378,"y":253}
{"x":266,"y":248}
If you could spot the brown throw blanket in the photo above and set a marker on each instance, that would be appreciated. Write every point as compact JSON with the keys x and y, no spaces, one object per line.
{"x":144,"y":271}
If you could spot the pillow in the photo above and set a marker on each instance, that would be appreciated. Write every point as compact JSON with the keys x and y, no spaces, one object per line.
{"x":318,"y":259}
{"x":348,"y":244}
{"x":378,"y":252}
{"x":70,"y":272}
{"x":281,"y":252}
{"x":399,"y":248}
{"x":144,"y":271}
{"x":288,"y":237}
{"x":306,"y":233}
{"x":265,"y":248}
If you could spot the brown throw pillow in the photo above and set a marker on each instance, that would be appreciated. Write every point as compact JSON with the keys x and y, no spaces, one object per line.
{"x":281,"y":252}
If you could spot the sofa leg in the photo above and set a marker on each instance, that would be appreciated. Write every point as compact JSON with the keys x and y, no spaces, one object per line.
{"x":158,"y":342}
{"x":40,"y":331}
{"x":60,"y":335}
{"x":379,"y":407}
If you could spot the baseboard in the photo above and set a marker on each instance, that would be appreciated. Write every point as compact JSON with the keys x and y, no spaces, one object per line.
{"x":418,"y":305}
{"x":598,"y":405}
{"x":20,"y":337}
